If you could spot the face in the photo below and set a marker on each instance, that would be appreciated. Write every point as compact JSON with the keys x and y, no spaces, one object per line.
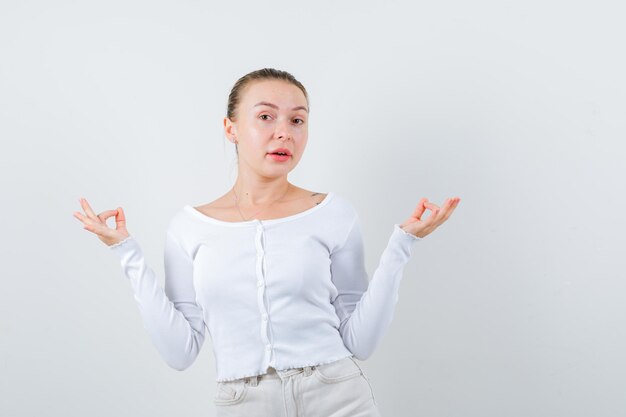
{"x":271,"y":114}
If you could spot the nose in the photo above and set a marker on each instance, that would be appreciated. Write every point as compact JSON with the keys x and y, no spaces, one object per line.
{"x":283,"y":130}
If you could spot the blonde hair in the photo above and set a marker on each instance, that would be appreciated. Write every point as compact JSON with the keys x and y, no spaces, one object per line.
{"x":234,"y":98}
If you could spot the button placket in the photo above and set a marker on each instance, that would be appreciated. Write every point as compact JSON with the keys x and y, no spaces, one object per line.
{"x":261,"y":292}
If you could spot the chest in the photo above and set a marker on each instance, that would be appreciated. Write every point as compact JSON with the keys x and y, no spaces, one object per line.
{"x":282,"y":263}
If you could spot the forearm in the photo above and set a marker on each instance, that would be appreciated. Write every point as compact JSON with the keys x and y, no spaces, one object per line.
{"x":373,"y":314}
{"x":178,"y":337}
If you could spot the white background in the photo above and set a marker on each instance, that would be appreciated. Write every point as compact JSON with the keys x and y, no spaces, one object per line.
{"x":514,"y":307}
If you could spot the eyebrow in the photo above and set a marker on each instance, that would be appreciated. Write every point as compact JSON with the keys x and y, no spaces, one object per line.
{"x":265,"y":103}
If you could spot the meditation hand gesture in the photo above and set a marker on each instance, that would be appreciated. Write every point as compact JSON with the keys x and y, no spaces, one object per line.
{"x":98,"y":223}
{"x":420,"y":228}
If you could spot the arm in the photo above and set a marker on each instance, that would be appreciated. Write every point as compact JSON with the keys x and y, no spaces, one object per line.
{"x":366,"y":309}
{"x":171,"y":316}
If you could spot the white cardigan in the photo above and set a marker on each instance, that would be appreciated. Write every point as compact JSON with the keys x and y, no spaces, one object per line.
{"x":287,"y":292}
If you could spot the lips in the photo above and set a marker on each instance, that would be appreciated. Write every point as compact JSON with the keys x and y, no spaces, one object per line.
{"x":279,"y":151}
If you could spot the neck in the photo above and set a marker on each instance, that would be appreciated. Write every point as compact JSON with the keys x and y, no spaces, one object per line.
{"x":259,"y":193}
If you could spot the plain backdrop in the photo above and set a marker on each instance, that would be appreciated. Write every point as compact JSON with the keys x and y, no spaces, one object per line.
{"x":514,"y":307}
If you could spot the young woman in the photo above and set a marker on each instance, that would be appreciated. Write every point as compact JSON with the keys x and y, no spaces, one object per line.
{"x":275,"y":272}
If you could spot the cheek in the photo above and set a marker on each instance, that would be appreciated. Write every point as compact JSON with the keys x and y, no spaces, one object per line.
{"x":302,"y":143}
{"x":257,"y":126}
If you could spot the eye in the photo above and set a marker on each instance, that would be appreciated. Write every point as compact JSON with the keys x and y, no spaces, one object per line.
{"x":302,"y":121}
{"x":264,"y":115}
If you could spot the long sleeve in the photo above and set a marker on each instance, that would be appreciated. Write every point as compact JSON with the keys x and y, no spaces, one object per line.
{"x":365,"y":309}
{"x":170,"y":315}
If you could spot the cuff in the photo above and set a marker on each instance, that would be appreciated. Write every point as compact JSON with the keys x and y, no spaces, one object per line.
{"x":397,"y":230}
{"x":125,"y":246}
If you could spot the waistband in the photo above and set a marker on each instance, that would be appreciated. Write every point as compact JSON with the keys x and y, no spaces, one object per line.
{"x":274,"y":374}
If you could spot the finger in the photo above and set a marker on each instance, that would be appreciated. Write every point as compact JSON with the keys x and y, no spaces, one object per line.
{"x":451,"y":204}
{"x":419,"y":210}
{"x":435,"y":211}
{"x":78,"y":215}
{"x":431,"y":206}
{"x":106,"y":214}
{"x":87,"y":221}
{"x":448,"y":207}
{"x":87,"y":208}
{"x":94,"y":226}
{"x":98,"y":229}
{"x":120,"y":219}
{"x":444,"y":212}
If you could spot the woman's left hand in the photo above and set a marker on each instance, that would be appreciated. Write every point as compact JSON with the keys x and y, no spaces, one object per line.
{"x":420,"y":228}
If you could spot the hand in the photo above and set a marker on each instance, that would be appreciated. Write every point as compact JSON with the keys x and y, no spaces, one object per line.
{"x":420,"y":228}
{"x":98,"y":223}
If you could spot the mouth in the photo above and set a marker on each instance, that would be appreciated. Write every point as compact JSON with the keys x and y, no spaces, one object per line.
{"x":281,"y":152}
{"x":278,"y":157}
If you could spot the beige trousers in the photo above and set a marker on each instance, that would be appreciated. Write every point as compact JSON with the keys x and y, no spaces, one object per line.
{"x":336,"y":389}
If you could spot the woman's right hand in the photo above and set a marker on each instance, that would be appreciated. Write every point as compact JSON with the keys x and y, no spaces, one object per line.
{"x":97,"y":223}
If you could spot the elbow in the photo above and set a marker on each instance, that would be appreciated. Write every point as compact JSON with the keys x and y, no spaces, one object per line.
{"x":358,"y":350}
{"x":180,"y":364}
{"x":361,"y":354}
{"x":180,"y":360}
{"x":177,"y":356}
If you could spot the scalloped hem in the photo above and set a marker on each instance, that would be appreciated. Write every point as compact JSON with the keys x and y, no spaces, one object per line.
{"x":404,"y":232}
{"x":292,"y":367}
{"x":126,"y":239}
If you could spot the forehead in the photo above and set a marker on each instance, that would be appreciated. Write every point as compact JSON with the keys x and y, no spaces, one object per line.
{"x":282,"y":93}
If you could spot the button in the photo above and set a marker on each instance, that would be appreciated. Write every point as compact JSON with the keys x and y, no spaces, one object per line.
{"x":264,"y":317}
{"x":259,"y":255}
{"x":268,"y":347}
{"x":259,"y":283}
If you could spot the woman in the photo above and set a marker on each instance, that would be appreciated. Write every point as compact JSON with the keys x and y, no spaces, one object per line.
{"x":274,"y":271}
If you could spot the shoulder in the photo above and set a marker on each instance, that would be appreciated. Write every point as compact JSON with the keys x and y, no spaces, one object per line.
{"x":342,"y":202}
{"x":180,"y":223}
{"x":343,"y":209}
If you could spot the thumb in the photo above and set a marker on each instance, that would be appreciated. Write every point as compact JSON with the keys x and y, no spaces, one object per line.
{"x":120,"y":220}
{"x":105,"y":215}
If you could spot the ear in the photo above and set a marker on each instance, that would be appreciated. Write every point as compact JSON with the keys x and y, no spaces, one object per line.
{"x":230,"y":129}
